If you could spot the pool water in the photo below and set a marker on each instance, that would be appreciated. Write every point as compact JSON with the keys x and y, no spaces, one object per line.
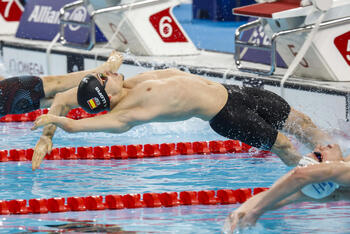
{"x":65,"y":178}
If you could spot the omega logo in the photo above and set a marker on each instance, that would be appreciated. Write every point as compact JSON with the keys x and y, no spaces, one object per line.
{"x":22,"y":67}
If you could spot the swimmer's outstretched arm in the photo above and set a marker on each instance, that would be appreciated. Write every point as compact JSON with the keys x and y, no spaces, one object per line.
{"x":60,"y":83}
{"x":62,"y":104}
{"x":113,"y":122}
{"x":285,"y":188}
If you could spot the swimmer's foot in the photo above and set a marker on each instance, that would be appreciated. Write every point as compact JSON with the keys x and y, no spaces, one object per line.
{"x":113,"y":63}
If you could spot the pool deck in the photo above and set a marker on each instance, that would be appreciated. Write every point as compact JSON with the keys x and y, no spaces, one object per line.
{"x":215,"y":64}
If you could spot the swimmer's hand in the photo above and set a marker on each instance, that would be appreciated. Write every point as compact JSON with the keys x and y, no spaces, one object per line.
{"x":238,"y":220}
{"x":43,"y":120}
{"x":42,"y":148}
{"x":115,"y":60}
{"x":244,"y":216}
{"x":231,"y":223}
{"x":62,"y":122}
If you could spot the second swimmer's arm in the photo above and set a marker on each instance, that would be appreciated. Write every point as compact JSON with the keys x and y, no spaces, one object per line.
{"x":301,"y":176}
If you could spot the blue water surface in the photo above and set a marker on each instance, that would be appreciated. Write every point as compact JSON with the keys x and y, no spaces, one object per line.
{"x":65,"y":178}
{"x":207,"y":34}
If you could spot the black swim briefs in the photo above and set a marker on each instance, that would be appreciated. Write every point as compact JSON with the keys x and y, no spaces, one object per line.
{"x":251,"y":115}
{"x":20,"y":94}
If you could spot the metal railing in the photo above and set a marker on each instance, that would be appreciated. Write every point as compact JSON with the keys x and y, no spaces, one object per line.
{"x":91,"y":24}
{"x":272,"y":48}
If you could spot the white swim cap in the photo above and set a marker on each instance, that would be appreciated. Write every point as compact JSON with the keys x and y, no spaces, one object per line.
{"x":317,"y":190}
{"x":304,"y":161}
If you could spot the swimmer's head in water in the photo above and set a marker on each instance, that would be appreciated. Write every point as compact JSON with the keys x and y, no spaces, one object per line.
{"x":92,"y":96}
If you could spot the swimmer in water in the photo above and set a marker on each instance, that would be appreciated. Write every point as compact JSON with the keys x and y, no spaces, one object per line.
{"x":88,"y":227}
{"x":323,"y":176}
{"x":251,"y":115}
{"x":24,"y":94}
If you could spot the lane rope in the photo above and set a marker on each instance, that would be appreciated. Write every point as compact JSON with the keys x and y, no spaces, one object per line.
{"x":77,"y":113}
{"x":121,"y":152}
{"x":127,"y":201}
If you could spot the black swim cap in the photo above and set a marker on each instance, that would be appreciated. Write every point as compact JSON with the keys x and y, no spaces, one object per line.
{"x":92,"y":96}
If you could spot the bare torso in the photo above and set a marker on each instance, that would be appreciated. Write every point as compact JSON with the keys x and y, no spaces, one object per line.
{"x":177,"y":96}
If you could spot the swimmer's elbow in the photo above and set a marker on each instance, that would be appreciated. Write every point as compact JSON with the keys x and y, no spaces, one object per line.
{"x":60,"y":98}
{"x":69,"y":129}
{"x":64,"y":100}
{"x":119,"y":130}
{"x":69,"y":125}
{"x":299,"y":176}
{"x":119,"y":127}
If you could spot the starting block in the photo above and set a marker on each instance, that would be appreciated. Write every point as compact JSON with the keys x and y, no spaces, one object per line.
{"x":10,"y":15}
{"x":287,"y":24}
{"x":146,"y":27}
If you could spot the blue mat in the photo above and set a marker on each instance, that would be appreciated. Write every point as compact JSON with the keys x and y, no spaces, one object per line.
{"x":207,"y":34}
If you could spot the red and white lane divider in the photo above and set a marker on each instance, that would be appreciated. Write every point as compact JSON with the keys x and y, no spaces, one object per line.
{"x":134,"y":151}
{"x":76,"y":113}
{"x":167,"y":199}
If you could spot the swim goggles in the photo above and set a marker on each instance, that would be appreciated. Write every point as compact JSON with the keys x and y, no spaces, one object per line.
{"x":318,"y":155}
{"x":103,"y":77}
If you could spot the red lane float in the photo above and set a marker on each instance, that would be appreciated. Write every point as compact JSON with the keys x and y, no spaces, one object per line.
{"x":129,"y":201}
{"x":76,"y":113}
{"x":134,"y":151}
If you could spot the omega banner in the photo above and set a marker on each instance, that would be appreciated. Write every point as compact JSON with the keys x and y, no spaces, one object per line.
{"x":40,"y":21}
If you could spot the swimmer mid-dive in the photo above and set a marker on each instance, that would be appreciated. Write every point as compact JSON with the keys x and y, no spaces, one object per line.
{"x":325,"y":181}
{"x":251,"y":115}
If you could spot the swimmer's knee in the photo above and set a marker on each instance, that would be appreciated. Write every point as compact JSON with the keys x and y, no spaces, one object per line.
{"x":299,"y":118}
{"x":306,"y":121}
{"x":282,"y":142}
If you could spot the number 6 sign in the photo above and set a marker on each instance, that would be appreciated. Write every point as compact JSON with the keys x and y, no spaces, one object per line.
{"x":342,"y":43}
{"x":166,"y":27}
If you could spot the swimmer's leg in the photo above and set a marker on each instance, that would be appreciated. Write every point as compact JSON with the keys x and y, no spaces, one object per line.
{"x":305,"y":130}
{"x":247,"y":126}
{"x":55,"y":84}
